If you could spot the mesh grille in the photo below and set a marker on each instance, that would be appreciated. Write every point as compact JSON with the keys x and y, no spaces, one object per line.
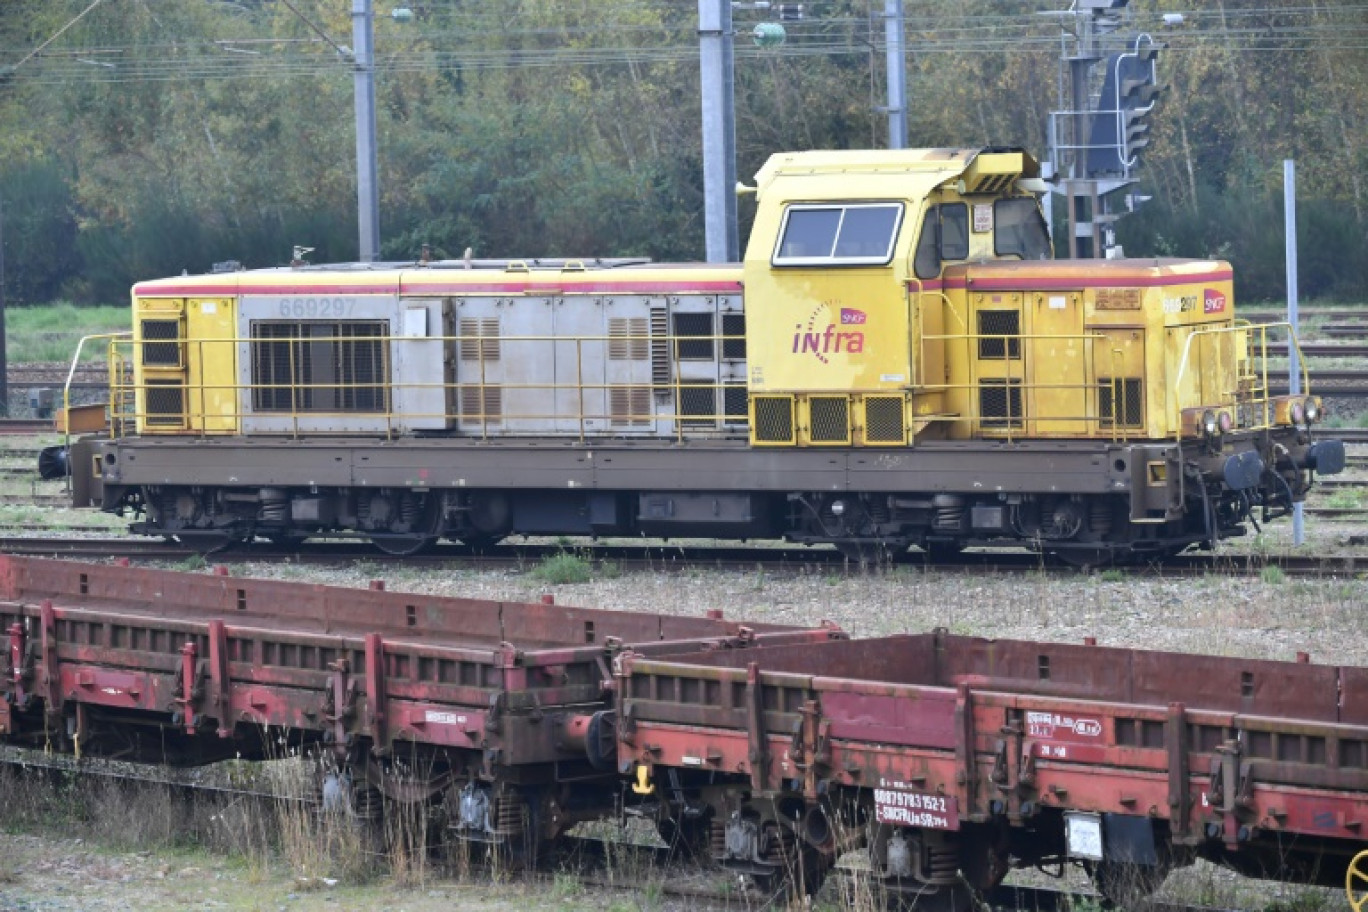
{"x":830,"y":419}
{"x":482,"y":404}
{"x":773,"y":418}
{"x":165,"y":403}
{"x":693,"y":336}
{"x":161,"y":343}
{"x":1000,"y":403}
{"x":479,"y":338}
{"x":630,"y":406}
{"x":734,"y":327}
{"x":999,"y":323}
{"x":735,"y":399}
{"x":319,"y":367}
{"x":884,"y":419}
{"x":697,"y":404}
{"x":1132,"y":411}
{"x":627,"y":339}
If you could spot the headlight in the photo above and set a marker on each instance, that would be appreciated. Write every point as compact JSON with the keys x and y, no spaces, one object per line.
{"x":1311,"y":408}
{"x":1225,"y":422}
{"x":1297,"y":411}
{"x":1209,"y":423}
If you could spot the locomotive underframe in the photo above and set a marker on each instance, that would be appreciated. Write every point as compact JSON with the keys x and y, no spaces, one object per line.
{"x":1082,"y":499}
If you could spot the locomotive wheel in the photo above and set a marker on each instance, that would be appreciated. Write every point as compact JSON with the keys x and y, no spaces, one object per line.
{"x":402,"y":545}
{"x":1356,"y":882}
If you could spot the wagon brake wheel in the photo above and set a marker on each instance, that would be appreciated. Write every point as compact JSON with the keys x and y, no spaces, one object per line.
{"x":1356,"y":882}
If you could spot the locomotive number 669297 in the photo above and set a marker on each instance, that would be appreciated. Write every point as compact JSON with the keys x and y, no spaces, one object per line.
{"x":316,"y":307}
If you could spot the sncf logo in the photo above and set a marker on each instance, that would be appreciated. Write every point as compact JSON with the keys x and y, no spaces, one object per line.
{"x":1213,"y":301}
{"x":821,"y":336}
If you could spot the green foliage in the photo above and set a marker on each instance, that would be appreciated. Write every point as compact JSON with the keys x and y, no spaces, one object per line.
{"x":1273,"y":575}
{"x":1113,"y":575}
{"x":564,"y":128}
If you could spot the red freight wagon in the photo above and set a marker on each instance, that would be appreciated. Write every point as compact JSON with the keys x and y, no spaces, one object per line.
{"x":953,"y":758}
{"x":483,"y":697}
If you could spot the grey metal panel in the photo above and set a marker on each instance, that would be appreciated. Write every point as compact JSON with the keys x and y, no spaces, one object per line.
{"x":987,"y":468}
{"x":646,"y":466}
{"x":555,"y":466}
{"x":714,"y":467}
{"x":420,"y":395}
{"x":230,"y":464}
{"x":518,"y":371}
{"x":416,"y":368}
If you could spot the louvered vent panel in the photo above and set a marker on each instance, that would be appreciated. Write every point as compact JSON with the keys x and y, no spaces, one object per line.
{"x":482,"y":404}
{"x":627,"y":339}
{"x":660,"y":350}
{"x":479,"y":338}
{"x":629,"y":406}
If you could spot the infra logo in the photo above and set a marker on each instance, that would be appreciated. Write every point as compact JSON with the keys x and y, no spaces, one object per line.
{"x":822,"y":336}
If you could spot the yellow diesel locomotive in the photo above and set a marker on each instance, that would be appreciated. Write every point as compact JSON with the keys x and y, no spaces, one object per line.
{"x":896,"y":363}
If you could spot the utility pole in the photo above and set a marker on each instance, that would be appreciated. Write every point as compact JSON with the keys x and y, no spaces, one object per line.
{"x":367,"y":183}
{"x":897,"y":74}
{"x":716,"y":55}
{"x":4,"y":344}
{"x":1293,"y":365}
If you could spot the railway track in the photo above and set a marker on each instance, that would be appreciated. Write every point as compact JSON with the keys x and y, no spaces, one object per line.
{"x":665,"y":558}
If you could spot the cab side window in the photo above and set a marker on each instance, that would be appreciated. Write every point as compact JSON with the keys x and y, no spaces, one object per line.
{"x":944,"y":236}
{"x":838,"y":234}
{"x":1019,"y":229}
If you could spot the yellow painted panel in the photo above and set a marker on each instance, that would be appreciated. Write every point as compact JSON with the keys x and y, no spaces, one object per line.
{"x":211,"y":399}
{"x":1056,"y":366}
{"x":828,"y":330}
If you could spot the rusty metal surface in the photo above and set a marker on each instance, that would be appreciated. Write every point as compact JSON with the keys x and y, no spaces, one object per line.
{"x":215,"y":656}
{"x":1016,"y":727}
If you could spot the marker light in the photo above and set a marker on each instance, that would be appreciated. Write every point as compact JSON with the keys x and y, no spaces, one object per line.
{"x":1312,"y":409}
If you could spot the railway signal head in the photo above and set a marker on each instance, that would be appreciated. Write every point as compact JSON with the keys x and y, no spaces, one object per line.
{"x":1137,"y":91}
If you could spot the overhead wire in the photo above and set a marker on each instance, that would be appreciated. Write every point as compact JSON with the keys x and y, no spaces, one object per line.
{"x":548,"y":47}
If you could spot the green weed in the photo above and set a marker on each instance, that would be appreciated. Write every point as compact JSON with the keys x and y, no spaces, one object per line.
{"x":1273,"y":575}
{"x":564,"y":567}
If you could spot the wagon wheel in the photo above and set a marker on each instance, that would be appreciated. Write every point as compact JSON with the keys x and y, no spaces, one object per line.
{"x":1356,"y":882}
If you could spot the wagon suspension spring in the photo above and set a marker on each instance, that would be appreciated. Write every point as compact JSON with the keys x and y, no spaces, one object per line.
{"x":274,"y":505}
{"x":942,"y":864}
